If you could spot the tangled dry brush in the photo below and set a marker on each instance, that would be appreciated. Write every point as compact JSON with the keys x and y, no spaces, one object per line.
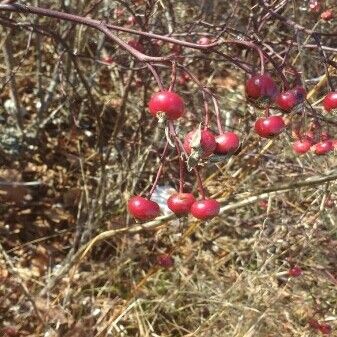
{"x":77,"y":141}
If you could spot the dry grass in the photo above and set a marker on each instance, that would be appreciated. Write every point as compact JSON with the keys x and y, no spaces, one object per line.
{"x":72,"y":263}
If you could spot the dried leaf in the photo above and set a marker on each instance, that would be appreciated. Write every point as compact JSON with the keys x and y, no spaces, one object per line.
{"x":168,"y":137}
{"x":196,"y":138}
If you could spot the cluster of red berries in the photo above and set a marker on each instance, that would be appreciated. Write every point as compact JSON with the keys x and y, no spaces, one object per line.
{"x":262,"y":91}
{"x":323,"y":328}
{"x":181,"y":204}
{"x":316,"y":140}
{"x":170,"y":105}
{"x":315,"y":6}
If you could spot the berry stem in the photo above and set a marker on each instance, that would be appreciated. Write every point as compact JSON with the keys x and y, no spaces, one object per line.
{"x":217,"y":113}
{"x":215,"y":102}
{"x":160,"y":169}
{"x":156,"y":76}
{"x":206,"y":124}
{"x":266,"y":113}
{"x":173,"y":76}
{"x":173,"y":133}
{"x":200,"y":185}
{"x":181,"y":174}
{"x":323,"y":56}
{"x":181,"y":162}
{"x":297,"y":75}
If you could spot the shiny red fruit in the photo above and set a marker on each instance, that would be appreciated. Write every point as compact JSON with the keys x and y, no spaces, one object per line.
{"x":325,"y":328}
{"x":261,"y":87}
{"x":330,"y":101}
{"x":205,"y":209}
{"x":227,"y":142}
{"x":167,"y":102}
{"x":270,"y":126}
{"x":165,"y":260}
{"x":327,"y":15}
{"x":207,"y":143}
{"x":143,"y":209}
{"x":136,"y":45}
{"x":323,"y":147}
{"x":180,"y":203}
{"x":295,"y":271}
{"x":302,"y":146}
{"x":287,"y":100}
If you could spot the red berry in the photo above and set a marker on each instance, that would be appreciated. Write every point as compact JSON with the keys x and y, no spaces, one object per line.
{"x":323,"y":147}
{"x":325,"y":328}
{"x":167,"y":102}
{"x":263,"y":203}
{"x":180,"y":203}
{"x":330,"y":101}
{"x":314,"y":6}
{"x":204,"y":41}
{"x":136,"y":45}
{"x":295,"y":271}
{"x":207,"y":143}
{"x":302,"y":146}
{"x":205,"y":209}
{"x":165,"y":260}
{"x":10,"y":331}
{"x":227,"y":142}
{"x":327,"y":15}
{"x":142,"y":208}
{"x":287,"y":100}
{"x":131,"y":20}
{"x":329,"y":203}
{"x":261,"y":87}
{"x":270,"y":126}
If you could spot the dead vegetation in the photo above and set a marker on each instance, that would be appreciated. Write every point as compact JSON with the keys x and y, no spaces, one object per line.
{"x":76,"y":141}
